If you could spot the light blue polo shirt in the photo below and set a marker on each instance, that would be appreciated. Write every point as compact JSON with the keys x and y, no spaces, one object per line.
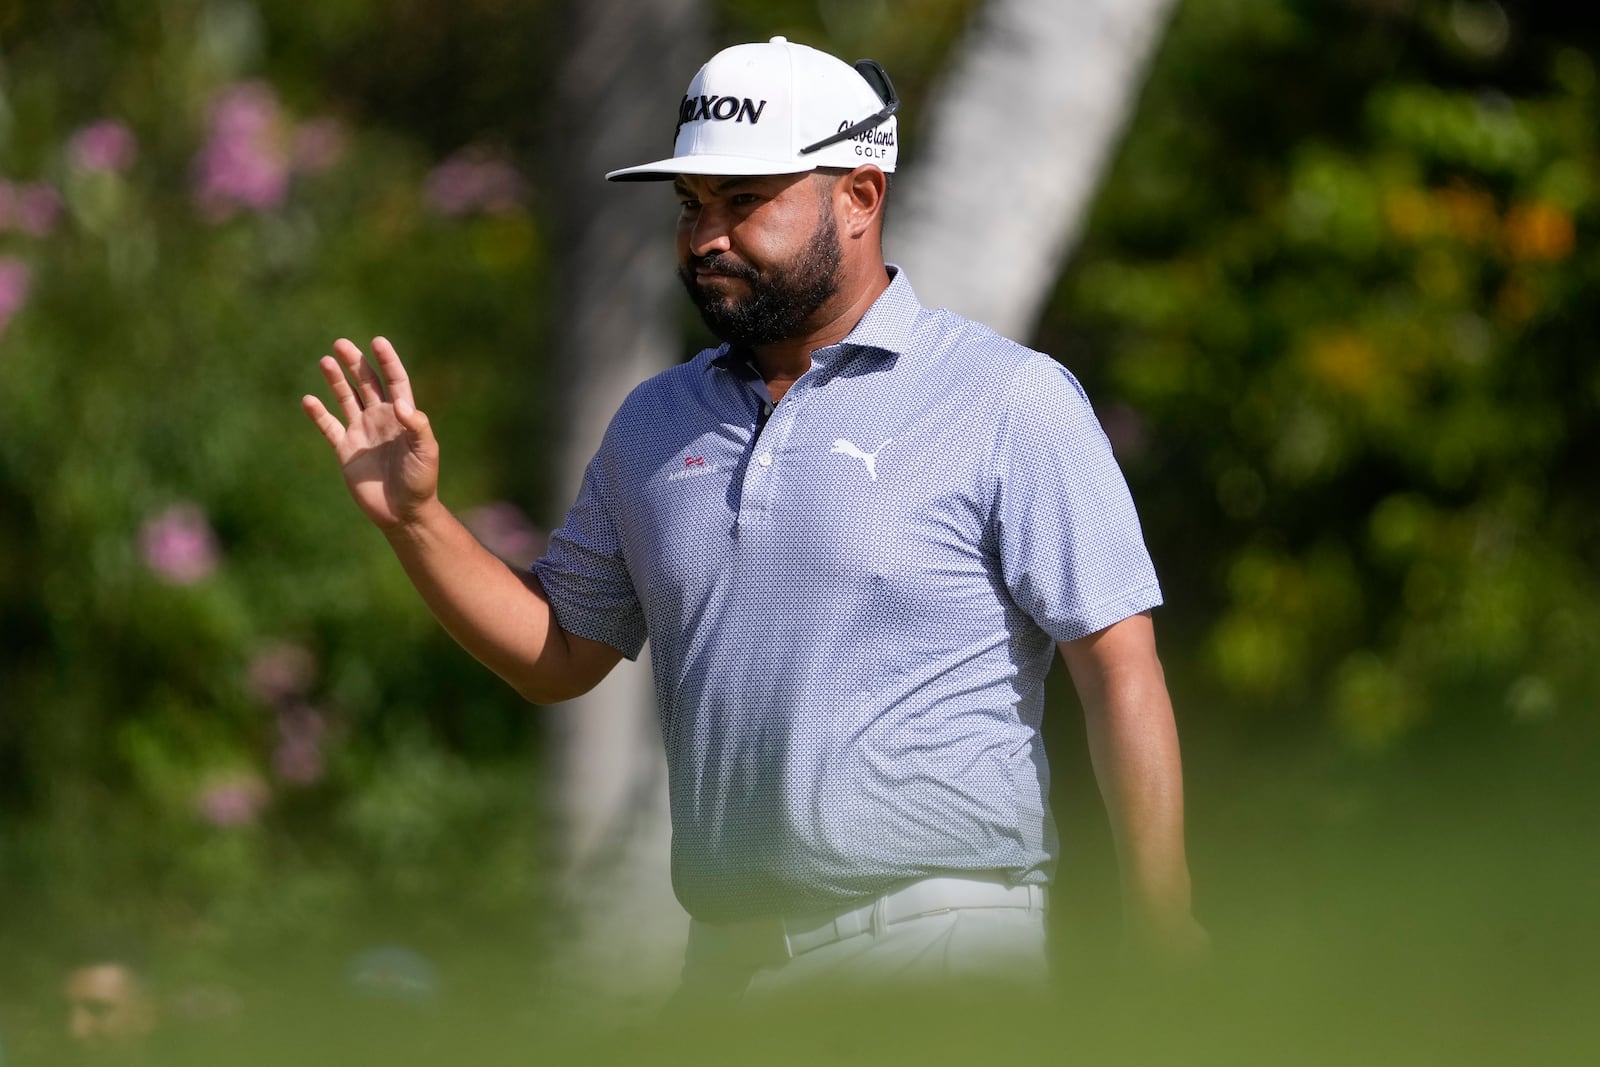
{"x":852,"y":607}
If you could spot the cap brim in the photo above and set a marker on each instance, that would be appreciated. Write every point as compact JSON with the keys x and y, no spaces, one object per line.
{"x":666,"y":169}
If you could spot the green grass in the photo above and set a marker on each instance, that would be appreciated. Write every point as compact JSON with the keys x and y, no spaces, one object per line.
{"x":1435,"y":905}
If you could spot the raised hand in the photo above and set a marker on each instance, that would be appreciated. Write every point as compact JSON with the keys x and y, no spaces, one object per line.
{"x":384,"y":444}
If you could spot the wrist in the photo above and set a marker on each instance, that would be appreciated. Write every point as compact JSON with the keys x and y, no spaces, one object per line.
{"x":1156,"y":903}
{"x":1164,"y":933}
{"x":419,"y":526}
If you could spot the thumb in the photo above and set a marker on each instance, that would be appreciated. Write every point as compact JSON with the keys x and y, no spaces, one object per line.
{"x":413,"y":421}
{"x":418,"y":431}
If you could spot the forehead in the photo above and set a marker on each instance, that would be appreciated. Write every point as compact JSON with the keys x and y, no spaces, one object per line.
{"x":701,"y":185}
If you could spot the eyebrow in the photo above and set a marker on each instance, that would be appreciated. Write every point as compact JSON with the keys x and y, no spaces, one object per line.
{"x":735,"y":181}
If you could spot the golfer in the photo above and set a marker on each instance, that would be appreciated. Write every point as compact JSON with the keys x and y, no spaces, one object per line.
{"x":855,"y":534}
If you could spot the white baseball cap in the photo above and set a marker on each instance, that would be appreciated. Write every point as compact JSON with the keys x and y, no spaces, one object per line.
{"x":779,"y":108}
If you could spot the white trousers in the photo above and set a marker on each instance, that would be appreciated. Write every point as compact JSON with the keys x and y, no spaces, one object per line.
{"x":988,"y":945}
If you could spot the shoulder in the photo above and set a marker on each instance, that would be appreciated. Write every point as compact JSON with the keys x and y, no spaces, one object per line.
{"x":1035,"y":403}
{"x":671,"y":392}
{"x":672,"y":384}
{"x":655,"y":412}
{"x":1013,"y":374}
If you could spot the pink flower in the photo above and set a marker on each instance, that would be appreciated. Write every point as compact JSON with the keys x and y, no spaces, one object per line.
{"x":297,"y":759}
{"x":16,"y":281}
{"x":474,"y":180}
{"x":245,"y":162}
{"x":245,"y":110}
{"x":107,"y":145}
{"x":298,"y":762}
{"x":32,"y":208}
{"x":282,"y":672}
{"x":178,"y":544}
{"x":230,"y":802}
{"x":318,"y":145}
{"x":506,"y":531}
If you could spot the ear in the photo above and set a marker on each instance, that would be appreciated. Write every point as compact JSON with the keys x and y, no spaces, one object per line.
{"x":858,"y":200}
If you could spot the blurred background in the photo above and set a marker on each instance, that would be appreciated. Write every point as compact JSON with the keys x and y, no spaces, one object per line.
{"x":1326,"y":268}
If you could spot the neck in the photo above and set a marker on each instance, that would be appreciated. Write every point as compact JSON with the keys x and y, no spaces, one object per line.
{"x":782,"y":362}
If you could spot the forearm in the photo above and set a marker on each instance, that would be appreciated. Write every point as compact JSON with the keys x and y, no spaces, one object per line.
{"x":502,"y":619}
{"x":1133,"y":745}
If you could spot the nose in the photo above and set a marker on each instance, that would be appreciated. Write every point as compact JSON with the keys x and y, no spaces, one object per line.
{"x":706,"y":232}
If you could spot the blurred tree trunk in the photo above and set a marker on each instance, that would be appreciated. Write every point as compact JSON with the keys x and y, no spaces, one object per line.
{"x":617,"y":322}
{"x":1018,"y":134}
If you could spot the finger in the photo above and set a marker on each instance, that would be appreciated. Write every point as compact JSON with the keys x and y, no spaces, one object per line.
{"x":334,"y":373}
{"x":394,"y":372}
{"x":323,"y":419}
{"x":367,"y":387}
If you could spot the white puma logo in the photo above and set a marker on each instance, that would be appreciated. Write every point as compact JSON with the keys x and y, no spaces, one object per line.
{"x":847,"y":448}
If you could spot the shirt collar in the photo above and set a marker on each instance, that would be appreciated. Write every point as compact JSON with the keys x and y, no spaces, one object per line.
{"x":885,"y":328}
{"x":888,"y":322}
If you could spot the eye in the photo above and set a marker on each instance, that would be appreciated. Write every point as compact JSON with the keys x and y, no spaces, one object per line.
{"x":744,"y":199}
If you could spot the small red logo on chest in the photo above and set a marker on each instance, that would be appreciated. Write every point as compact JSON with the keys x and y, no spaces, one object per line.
{"x":694,"y":461}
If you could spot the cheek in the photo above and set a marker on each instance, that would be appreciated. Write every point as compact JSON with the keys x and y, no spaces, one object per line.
{"x":768,"y":242}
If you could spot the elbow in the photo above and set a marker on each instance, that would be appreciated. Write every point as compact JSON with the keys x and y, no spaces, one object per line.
{"x":540,"y":691}
{"x":562,"y":670}
{"x":547,"y":690}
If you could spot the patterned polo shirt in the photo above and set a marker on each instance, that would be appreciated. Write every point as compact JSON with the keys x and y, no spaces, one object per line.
{"x":852,"y":598}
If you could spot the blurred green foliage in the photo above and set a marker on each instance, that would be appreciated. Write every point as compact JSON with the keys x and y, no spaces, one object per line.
{"x":224,"y":707}
{"x":1332,"y":299}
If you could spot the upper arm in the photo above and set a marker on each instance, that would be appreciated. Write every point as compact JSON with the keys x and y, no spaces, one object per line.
{"x":1113,"y":659}
{"x":584,"y":662}
{"x":584,"y":574}
{"x":1063,"y":523}
{"x":1127,"y":710}
{"x":588,"y":661}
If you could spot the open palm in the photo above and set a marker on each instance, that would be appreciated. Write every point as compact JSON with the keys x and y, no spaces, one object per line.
{"x":384,"y":444}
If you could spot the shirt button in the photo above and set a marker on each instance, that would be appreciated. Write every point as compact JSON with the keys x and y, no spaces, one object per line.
{"x":766,"y":459}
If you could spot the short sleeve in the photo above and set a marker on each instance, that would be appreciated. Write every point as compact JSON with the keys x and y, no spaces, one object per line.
{"x":584,"y":571}
{"x":1071,"y":551}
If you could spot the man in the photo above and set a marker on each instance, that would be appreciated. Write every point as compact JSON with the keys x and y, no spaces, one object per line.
{"x":111,"y":1009}
{"x":854,"y":534}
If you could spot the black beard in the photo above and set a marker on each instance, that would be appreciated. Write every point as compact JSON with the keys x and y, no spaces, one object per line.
{"x":780,"y":302}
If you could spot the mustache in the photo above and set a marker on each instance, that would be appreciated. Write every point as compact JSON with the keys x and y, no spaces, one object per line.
{"x":721,"y":263}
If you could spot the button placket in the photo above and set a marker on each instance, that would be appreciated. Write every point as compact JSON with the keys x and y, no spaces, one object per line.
{"x":757,"y":496}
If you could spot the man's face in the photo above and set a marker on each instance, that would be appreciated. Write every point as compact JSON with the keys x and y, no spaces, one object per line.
{"x":107,"y":1006}
{"x":758,"y":255}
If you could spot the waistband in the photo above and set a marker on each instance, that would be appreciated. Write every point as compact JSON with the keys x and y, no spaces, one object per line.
{"x":790,"y":936}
